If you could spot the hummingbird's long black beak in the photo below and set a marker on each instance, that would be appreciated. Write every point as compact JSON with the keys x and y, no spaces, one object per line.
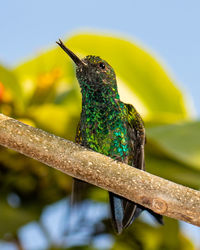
{"x":75,"y":58}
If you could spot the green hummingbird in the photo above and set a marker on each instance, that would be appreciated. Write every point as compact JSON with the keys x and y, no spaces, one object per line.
{"x":111,"y":127}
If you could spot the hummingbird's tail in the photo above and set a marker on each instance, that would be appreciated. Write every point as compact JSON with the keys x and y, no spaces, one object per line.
{"x":117,"y":212}
{"x":79,"y":191}
{"x":124,"y":212}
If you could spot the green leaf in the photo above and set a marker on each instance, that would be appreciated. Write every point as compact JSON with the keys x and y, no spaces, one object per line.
{"x":172,"y":170}
{"x":51,"y":61}
{"x":39,"y":75}
{"x":142,"y":80}
{"x":10,"y":82}
{"x":177,"y":141}
{"x":61,"y":120}
{"x":44,"y":62}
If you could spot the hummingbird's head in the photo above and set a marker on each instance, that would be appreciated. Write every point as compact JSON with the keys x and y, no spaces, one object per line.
{"x":93,"y":73}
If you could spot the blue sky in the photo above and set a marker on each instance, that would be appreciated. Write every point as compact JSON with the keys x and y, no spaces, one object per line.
{"x":169,"y":28}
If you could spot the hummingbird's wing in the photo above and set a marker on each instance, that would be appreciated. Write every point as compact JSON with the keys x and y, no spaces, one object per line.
{"x":124,"y":211}
{"x":136,"y":133}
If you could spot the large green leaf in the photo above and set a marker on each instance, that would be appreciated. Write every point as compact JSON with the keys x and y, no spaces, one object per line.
{"x":46,"y":77}
{"x":60,"y":120}
{"x":177,"y":141}
{"x":172,"y":170}
{"x":142,"y":80}
{"x":45,"y":62}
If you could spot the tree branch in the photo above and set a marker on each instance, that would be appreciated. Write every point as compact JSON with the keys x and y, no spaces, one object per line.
{"x":160,"y":195}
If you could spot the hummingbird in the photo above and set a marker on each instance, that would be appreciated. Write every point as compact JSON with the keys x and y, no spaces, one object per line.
{"x":111,"y":127}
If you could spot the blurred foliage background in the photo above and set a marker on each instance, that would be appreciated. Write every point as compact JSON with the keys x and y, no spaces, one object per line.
{"x":43,"y":92}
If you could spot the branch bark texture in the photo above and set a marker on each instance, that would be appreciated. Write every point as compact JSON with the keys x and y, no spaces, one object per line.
{"x":160,"y":195}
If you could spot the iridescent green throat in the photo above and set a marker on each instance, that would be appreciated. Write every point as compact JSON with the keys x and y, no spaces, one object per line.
{"x":103,"y":123}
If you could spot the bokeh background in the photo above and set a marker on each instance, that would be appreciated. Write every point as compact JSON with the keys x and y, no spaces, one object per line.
{"x":154,"y":48}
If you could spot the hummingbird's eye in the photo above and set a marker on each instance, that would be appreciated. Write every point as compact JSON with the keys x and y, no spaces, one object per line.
{"x":102,"y":65}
